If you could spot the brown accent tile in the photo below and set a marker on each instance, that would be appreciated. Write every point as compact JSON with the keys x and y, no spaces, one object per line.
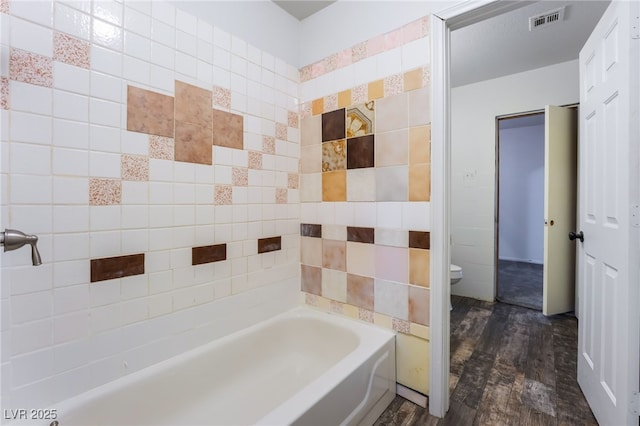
{"x":419,"y":267}
{"x":310,"y":230}
{"x":376,"y":89}
{"x":149,"y":112}
{"x":420,"y":144}
{"x":419,"y":305}
{"x":334,"y":155}
{"x":311,"y":279}
{"x":228,"y":129}
{"x":413,"y":79}
{"x":269,"y":244}
{"x":344,"y":98}
{"x":193,"y":143}
{"x":360,"y":291}
{"x":360,"y":235}
{"x":333,"y":125}
{"x":192,"y":104}
{"x":334,"y":255}
{"x":420,"y":239}
{"x":208,"y":254}
{"x":108,"y":268}
{"x":317,"y":106}
{"x":420,"y":182}
{"x":334,"y":186}
{"x":361,"y":152}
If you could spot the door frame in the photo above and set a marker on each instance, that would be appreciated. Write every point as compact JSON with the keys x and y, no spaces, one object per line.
{"x":442,"y":23}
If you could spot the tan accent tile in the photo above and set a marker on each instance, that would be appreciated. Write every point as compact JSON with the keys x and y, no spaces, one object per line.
{"x":282,"y":195}
{"x":383,"y":321}
{"x":293,"y":180}
{"x":135,"y":167}
{"x":268,"y":144}
{"x":413,"y":79}
{"x":255,"y":160}
{"x":334,"y":255}
{"x":161,"y":147}
{"x":240,"y":176}
{"x":420,"y":182}
{"x":221,"y":97}
{"x":71,"y":50}
{"x":334,"y":186}
{"x":228,"y":129}
{"x":193,"y":143}
{"x":193,"y":104}
{"x":317,"y":106}
{"x":223,"y":195}
{"x":311,"y":251}
{"x":344,"y":99}
{"x":350,"y":311}
{"x":421,"y":331}
{"x":419,"y":261}
{"x":420,"y":144}
{"x":360,"y":291}
{"x":419,"y":305}
{"x":104,"y":192}
{"x":361,"y":259}
{"x":392,"y":148}
{"x":31,"y":68}
{"x":149,"y":112}
{"x":376,"y":89}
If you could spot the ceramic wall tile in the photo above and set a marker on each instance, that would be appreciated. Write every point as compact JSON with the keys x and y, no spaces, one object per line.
{"x":311,"y":158}
{"x":419,"y":267}
{"x":221,"y":97}
{"x":392,"y":264}
{"x":412,"y":360}
{"x":293,"y":180}
{"x":311,"y":251}
{"x":360,"y":234}
{"x":311,"y":279}
{"x":255,"y":160}
{"x":413,"y":79}
{"x":228,"y":129}
{"x":392,"y":148}
{"x":393,"y":85}
{"x":30,"y":68}
{"x":334,"y":186}
{"x":375,"y":90}
{"x":103,"y":192}
{"x":361,"y":259}
{"x":71,"y":50}
{"x":419,"y":107}
{"x":334,"y":285}
{"x":161,"y":147}
{"x":361,"y":184}
{"x":117,"y":267}
{"x":310,"y":230}
{"x":317,"y":106}
{"x":4,"y":93}
{"x":334,"y":255}
{"x":208,"y":254}
{"x":420,"y":182}
{"x":149,"y":112}
{"x":361,"y":120}
{"x":223,"y":195}
{"x":334,"y":155}
{"x":391,"y":298}
{"x":361,"y":152}
{"x":420,"y":144}
{"x":282,"y":195}
{"x":360,"y":94}
{"x":420,"y":239}
{"x":344,"y":98}
{"x":135,"y":167}
{"x":419,"y":305}
{"x":392,"y":183}
{"x":360,"y":291}
{"x":193,"y":105}
{"x":392,"y":113}
{"x":311,"y":130}
{"x":266,"y":245}
{"x":333,"y":125}
{"x":193,"y":143}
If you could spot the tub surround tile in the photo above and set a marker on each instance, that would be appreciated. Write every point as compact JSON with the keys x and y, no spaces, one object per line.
{"x":208,"y":254}
{"x":361,"y":258}
{"x":334,"y":186}
{"x":134,"y":167}
{"x":392,"y":148}
{"x":361,"y":152}
{"x":333,"y":125}
{"x":105,"y":192}
{"x":419,"y":266}
{"x":223,"y":195}
{"x":109,"y":268}
{"x":334,"y":285}
{"x":392,"y":299}
{"x":71,"y":50}
{"x":149,"y":112}
{"x":240,"y":176}
{"x":420,"y":145}
{"x":334,"y":232}
{"x":360,"y":291}
{"x":266,"y":245}
{"x":420,"y":240}
{"x":310,"y":230}
{"x":419,"y":305}
{"x":334,"y":255}
{"x":161,"y":148}
{"x":420,"y":182}
{"x":311,"y":251}
{"x":392,"y":263}
{"x":228,"y":129}
{"x":31,"y":68}
{"x":392,"y":237}
{"x":281,"y":131}
{"x":400,"y":326}
{"x":193,"y":143}
{"x":334,"y":156}
{"x":361,"y":120}
{"x":360,"y":235}
{"x":193,"y":105}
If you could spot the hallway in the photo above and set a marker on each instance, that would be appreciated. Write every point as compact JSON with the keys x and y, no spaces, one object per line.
{"x":509,"y":366}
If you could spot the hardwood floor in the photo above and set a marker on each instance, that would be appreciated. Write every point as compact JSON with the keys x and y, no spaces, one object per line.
{"x":509,"y":366}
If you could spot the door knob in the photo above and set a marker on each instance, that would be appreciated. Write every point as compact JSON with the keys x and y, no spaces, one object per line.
{"x":579,"y":236}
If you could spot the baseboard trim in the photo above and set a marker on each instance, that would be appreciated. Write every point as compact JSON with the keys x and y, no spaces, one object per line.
{"x":412,"y":395}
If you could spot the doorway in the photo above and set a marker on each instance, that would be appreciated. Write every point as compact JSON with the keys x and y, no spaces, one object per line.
{"x":520,"y":209}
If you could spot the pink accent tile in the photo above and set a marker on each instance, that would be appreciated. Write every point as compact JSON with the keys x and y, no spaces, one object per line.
{"x":393,"y":85}
{"x":4,"y":93}
{"x":71,"y":50}
{"x":365,"y":315}
{"x":104,"y":192}
{"x":331,"y":102}
{"x":426,"y":77}
{"x":255,"y":160}
{"x":336,"y":307}
{"x":392,"y":263}
{"x":393,"y":39}
{"x":281,"y":195}
{"x":317,"y":69}
{"x":360,"y":94}
{"x":293,"y":179}
{"x":375,"y":46}
{"x":292,"y":119}
{"x":281,"y":131}
{"x":30,"y":68}
{"x":401,"y":326}
{"x":223,"y":195}
{"x":221,"y":97}
{"x":426,"y":25}
{"x":311,"y":299}
{"x":345,"y":58}
{"x":412,"y":31}
{"x":135,"y":167}
{"x":331,"y":63}
{"x":359,"y":52}
{"x":161,"y":148}
{"x":240,"y":176}
{"x":4,"y":6}
{"x":305,"y":73}
{"x":305,"y":110}
{"x":268,"y":144}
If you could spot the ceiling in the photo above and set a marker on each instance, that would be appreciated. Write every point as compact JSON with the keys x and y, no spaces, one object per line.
{"x":301,"y":9}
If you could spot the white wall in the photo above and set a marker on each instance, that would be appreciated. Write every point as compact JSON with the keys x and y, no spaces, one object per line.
{"x":521,"y":206}
{"x":474,"y":110}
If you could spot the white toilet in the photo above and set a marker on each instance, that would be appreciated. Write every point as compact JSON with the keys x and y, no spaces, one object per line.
{"x":455,"y":275}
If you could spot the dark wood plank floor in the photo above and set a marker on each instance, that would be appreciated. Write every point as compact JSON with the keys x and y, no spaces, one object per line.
{"x":509,"y":366}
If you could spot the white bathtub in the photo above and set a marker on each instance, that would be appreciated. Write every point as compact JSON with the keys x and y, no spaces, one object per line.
{"x":301,"y":367}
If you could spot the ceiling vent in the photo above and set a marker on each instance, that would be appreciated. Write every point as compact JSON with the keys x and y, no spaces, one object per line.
{"x":546,"y":19}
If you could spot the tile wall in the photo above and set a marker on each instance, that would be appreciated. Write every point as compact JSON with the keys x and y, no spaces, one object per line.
{"x":365,"y":189}
{"x":157,"y":159}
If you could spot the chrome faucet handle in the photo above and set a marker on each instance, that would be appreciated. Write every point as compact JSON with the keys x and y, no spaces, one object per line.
{"x":13,"y":239}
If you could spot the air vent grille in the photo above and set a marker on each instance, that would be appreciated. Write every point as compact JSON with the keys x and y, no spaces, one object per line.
{"x":546,"y":19}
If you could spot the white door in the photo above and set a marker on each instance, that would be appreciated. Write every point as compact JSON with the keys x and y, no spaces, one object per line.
{"x":608,"y":259}
{"x":558,"y":275}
